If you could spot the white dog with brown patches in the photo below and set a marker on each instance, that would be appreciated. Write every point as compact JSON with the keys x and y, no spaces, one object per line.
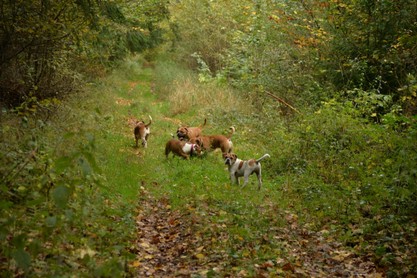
{"x":240,"y":168}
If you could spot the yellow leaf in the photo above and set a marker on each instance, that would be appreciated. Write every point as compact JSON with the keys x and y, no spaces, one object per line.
{"x":200,"y":256}
{"x":145,"y":245}
{"x":135,"y":264}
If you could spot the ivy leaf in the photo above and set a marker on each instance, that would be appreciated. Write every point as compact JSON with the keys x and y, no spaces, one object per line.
{"x":85,"y":166}
{"x":61,"y":195}
{"x":62,"y":163}
{"x":51,"y":221}
{"x":22,"y":258}
{"x":92,"y":161}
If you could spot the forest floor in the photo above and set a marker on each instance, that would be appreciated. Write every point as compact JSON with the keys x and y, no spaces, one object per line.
{"x":169,"y":246}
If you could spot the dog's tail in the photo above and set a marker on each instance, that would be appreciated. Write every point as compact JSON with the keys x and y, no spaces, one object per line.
{"x":262,"y":158}
{"x":150,"y":121}
{"x":232,"y":131}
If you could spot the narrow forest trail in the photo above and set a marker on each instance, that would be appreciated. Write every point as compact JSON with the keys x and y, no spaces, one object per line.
{"x":203,"y":235}
{"x":170,"y":245}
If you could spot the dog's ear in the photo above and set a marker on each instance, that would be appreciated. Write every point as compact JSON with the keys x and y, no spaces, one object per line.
{"x":199,"y":141}
{"x":224,"y":155}
{"x":234,"y":156}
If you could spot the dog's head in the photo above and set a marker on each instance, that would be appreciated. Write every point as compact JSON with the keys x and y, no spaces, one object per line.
{"x":229,"y":158}
{"x":182,"y":132}
{"x":197,"y":150}
{"x":198,"y":141}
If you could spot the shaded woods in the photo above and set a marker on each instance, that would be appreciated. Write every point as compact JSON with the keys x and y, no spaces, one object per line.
{"x":330,"y":85}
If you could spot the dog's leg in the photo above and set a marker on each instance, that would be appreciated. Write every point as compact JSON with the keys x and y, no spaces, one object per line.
{"x":234,"y":179}
{"x":258,"y":172}
{"x":246,"y":177}
{"x":237,"y":180}
{"x":144,"y":143}
{"x":259,"y":179}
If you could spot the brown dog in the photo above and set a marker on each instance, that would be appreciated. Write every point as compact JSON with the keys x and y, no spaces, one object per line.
{"x":185,"y":132}
{"x":212,"y":142}
{"x":182,"y":148}
{"x":142,"y":132}
{"x":240,"y":168}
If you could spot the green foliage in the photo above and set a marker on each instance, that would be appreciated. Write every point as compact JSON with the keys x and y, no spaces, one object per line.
{"x":302,"y":50}
{"x":54,"y":216}
{"x":346,"y":171}
{"x":48,"y":47}
{"x":36,"y":40}
{"x":371,"y":40}
{"x":204,"y":28}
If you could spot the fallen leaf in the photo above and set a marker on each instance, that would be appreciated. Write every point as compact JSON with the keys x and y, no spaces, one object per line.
{"x":135,"y":264}
{"x":200,"y":256}
{"x":288,"y":267}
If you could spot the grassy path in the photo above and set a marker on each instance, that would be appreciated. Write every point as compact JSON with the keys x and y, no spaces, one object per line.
{"x":189,"y":220}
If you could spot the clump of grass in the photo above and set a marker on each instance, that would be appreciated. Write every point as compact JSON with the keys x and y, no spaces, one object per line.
{"x":187,"y":95}
{"x":182,"y":89}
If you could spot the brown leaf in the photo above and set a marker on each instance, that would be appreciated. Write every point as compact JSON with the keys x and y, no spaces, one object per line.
{"x":288,"y":267}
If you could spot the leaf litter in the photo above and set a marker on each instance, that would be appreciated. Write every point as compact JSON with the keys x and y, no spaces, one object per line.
{"x":187,"y":243}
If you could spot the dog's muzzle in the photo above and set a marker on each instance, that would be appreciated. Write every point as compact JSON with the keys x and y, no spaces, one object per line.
{"x":228,"y":161}
{"x":180,"y":135}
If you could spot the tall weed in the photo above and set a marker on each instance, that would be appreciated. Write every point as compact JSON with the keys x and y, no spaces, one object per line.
{"x":181,"y":88}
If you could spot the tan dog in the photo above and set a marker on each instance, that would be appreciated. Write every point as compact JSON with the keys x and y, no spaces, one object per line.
{"x":182,"y":148}
{"x":212,"y":142}
{"x":239,"y":168}
{"x":185,"y":132}
{"x":142,"y":132}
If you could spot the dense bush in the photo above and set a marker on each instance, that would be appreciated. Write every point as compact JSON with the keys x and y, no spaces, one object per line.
{"x":354,"y":178}
{"x":303,"y":51}
{"x":47,"y":47}
{"x":54,"y":216}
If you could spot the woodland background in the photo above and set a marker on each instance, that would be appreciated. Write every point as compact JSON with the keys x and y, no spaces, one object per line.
{"x":331,"y":84}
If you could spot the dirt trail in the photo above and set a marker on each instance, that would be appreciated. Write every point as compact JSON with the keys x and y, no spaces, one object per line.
{"x":167,"y":246}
